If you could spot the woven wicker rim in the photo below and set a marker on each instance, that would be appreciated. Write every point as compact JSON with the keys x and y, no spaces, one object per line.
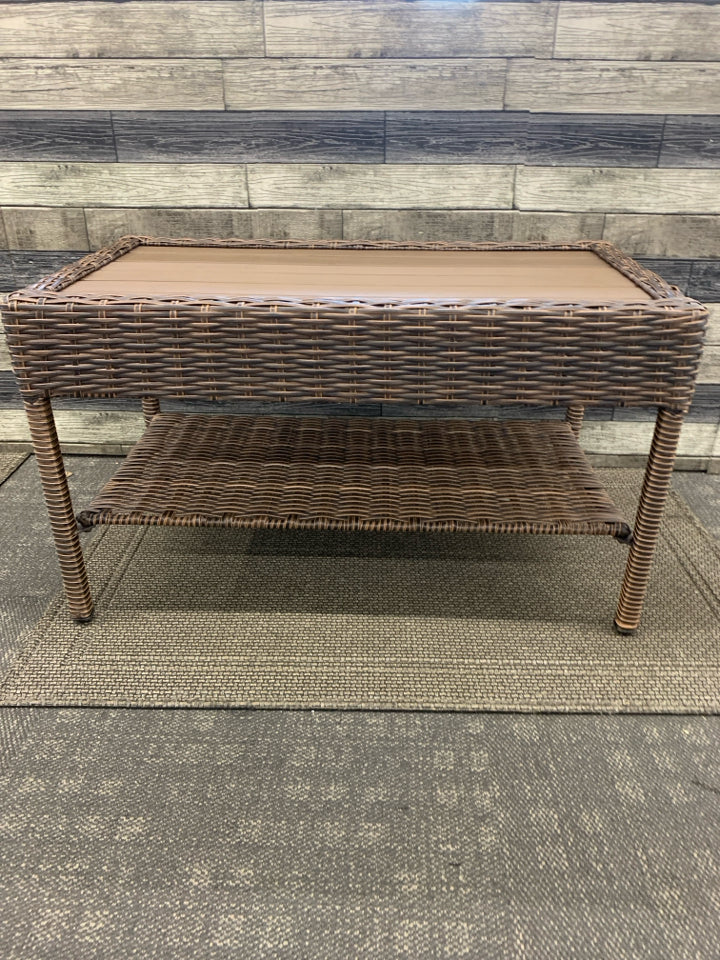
{"x":48,"y":289}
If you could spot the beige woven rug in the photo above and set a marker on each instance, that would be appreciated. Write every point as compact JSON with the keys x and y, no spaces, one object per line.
{"x":332,"y":620}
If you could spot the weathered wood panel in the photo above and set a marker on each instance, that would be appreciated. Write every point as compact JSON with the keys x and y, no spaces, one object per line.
{"x":395,"y":28}
{"x":45,"y":228}
{"x":212,"y":28}
{"x":705,"y":280}
{"x":709,"y":371}
{"x":123,"y":184}
{"x":456,"y":137}
{"x":587,"y":140}
{"x":673,"y":271}
{"x":29,"y":266}
{"x":79,"y":426}
{"x":7,"y":276}
{"x":289,"y":137}
{"x":628,"y":31}
{"x":623,"y":438}
{"x":617,"y":190}
{"x":62,"y":135}
{"x":286,"y":84}
{"x":4,"y":354}
{"x":111,"y":84}
{"x":469,"y":225}
{"x":603,"y":86}
{"x":379,"y":185}
{"x":713,"y":328}
{"x":662,"y":235}
{"x":691,"y":142}
{"x":106,"y":225}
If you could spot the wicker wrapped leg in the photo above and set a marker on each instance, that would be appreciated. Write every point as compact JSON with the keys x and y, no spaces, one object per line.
{"x":574,"y":416}
{"x":59,"y":505}
{"x":647,"y":525}
{"x":150,"y":408}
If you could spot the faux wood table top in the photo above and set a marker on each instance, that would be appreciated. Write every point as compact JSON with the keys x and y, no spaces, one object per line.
{"x":347,"y":274}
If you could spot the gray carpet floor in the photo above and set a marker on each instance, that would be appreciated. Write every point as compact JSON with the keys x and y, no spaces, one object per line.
{"x":213,"y":834}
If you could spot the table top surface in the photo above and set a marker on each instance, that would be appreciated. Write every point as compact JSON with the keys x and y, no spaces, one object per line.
{"x":362,"y":274}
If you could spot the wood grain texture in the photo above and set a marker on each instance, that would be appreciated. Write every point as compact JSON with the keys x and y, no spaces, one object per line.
{"x":111,"y":84}
{"x":286,"y":84}
{"x":469,"y":225}
{"x":617,"y":190}
{"x":623,"y":438}
{"x":395,"y":28}
{"x":713,"y":328}
{"x":106,"y":225}
{"x":691,"y":142}
{"x":456,"y":137}
{"x":603,"y":86}
{"x":44,"y":228}
{"x":628,"y":31}
{"x":32,"y":265}
{"x":705,"y":280}
{"x":661,"y":235}
{"x":586,"y":140}
{"x":123,"y":184}
{"x":255,"y":136}
{"x":380,"y":185}
{"x":7,"y":275}
{"x":4,"y":353}
{"x":62,"y":135}
{"x":211,"y":28}
{"x":78,"y":426}
{"x":675,"y":271}
{"x":709,"y":371}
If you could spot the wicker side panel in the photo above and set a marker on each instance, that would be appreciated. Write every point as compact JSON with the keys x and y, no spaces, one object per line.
{"x":482,"y":352}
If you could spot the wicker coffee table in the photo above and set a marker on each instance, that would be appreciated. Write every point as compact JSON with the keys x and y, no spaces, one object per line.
{"x":414,"y":323}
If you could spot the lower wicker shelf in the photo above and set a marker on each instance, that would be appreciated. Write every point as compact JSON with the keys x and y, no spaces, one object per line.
{"x":358,"y":473}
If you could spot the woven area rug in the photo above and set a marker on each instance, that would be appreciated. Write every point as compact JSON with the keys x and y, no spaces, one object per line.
{"x":198,"y":617}
{"x":9,"y":462}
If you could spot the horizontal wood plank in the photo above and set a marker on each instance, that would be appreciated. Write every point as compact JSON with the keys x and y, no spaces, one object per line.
{"x":705,"y":280}
{"x":78,"y":426}
{"x":618,"y":190}
{"x":660,"y":235}
{"x":212,"y":28}
{"x":709,"y":371}
{"x":628,"y":31}
{"x":7,"y":274}
{"x":395,"y":28}
{"x":622,"y":438}
{"x":286,"y":84}
{"x":108,"y":224}
{"x":111,"y":84}
{"x":123,"y":184}
{"x":469,"y":225}
{"x":254,"y":136}
{"x":44,"y":228}
{"x":29,"y":266}
{"x":62,"y":135}
{"x":380,"y":185}
{"x":587,"y":140}
{"x":456,"y":137}
{"x":604,"y":86}
{"x":712,"y":334}
{"x":691,"y":142}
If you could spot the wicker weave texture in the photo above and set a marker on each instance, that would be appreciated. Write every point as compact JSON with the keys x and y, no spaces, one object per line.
{"x":358,"y":473}
{"x":481,"y":351}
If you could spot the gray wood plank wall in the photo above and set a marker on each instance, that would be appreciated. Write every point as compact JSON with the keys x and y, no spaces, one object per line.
{"x":470,"y":119}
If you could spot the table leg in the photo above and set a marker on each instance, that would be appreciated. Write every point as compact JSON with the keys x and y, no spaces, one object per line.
{"x":655,"y":489}
{"x":59,"y":505}
{"x":150,"y":408}
{"x":574,"y":416}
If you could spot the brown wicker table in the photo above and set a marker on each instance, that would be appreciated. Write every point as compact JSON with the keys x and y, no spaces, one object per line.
{"x":433,"y":324}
